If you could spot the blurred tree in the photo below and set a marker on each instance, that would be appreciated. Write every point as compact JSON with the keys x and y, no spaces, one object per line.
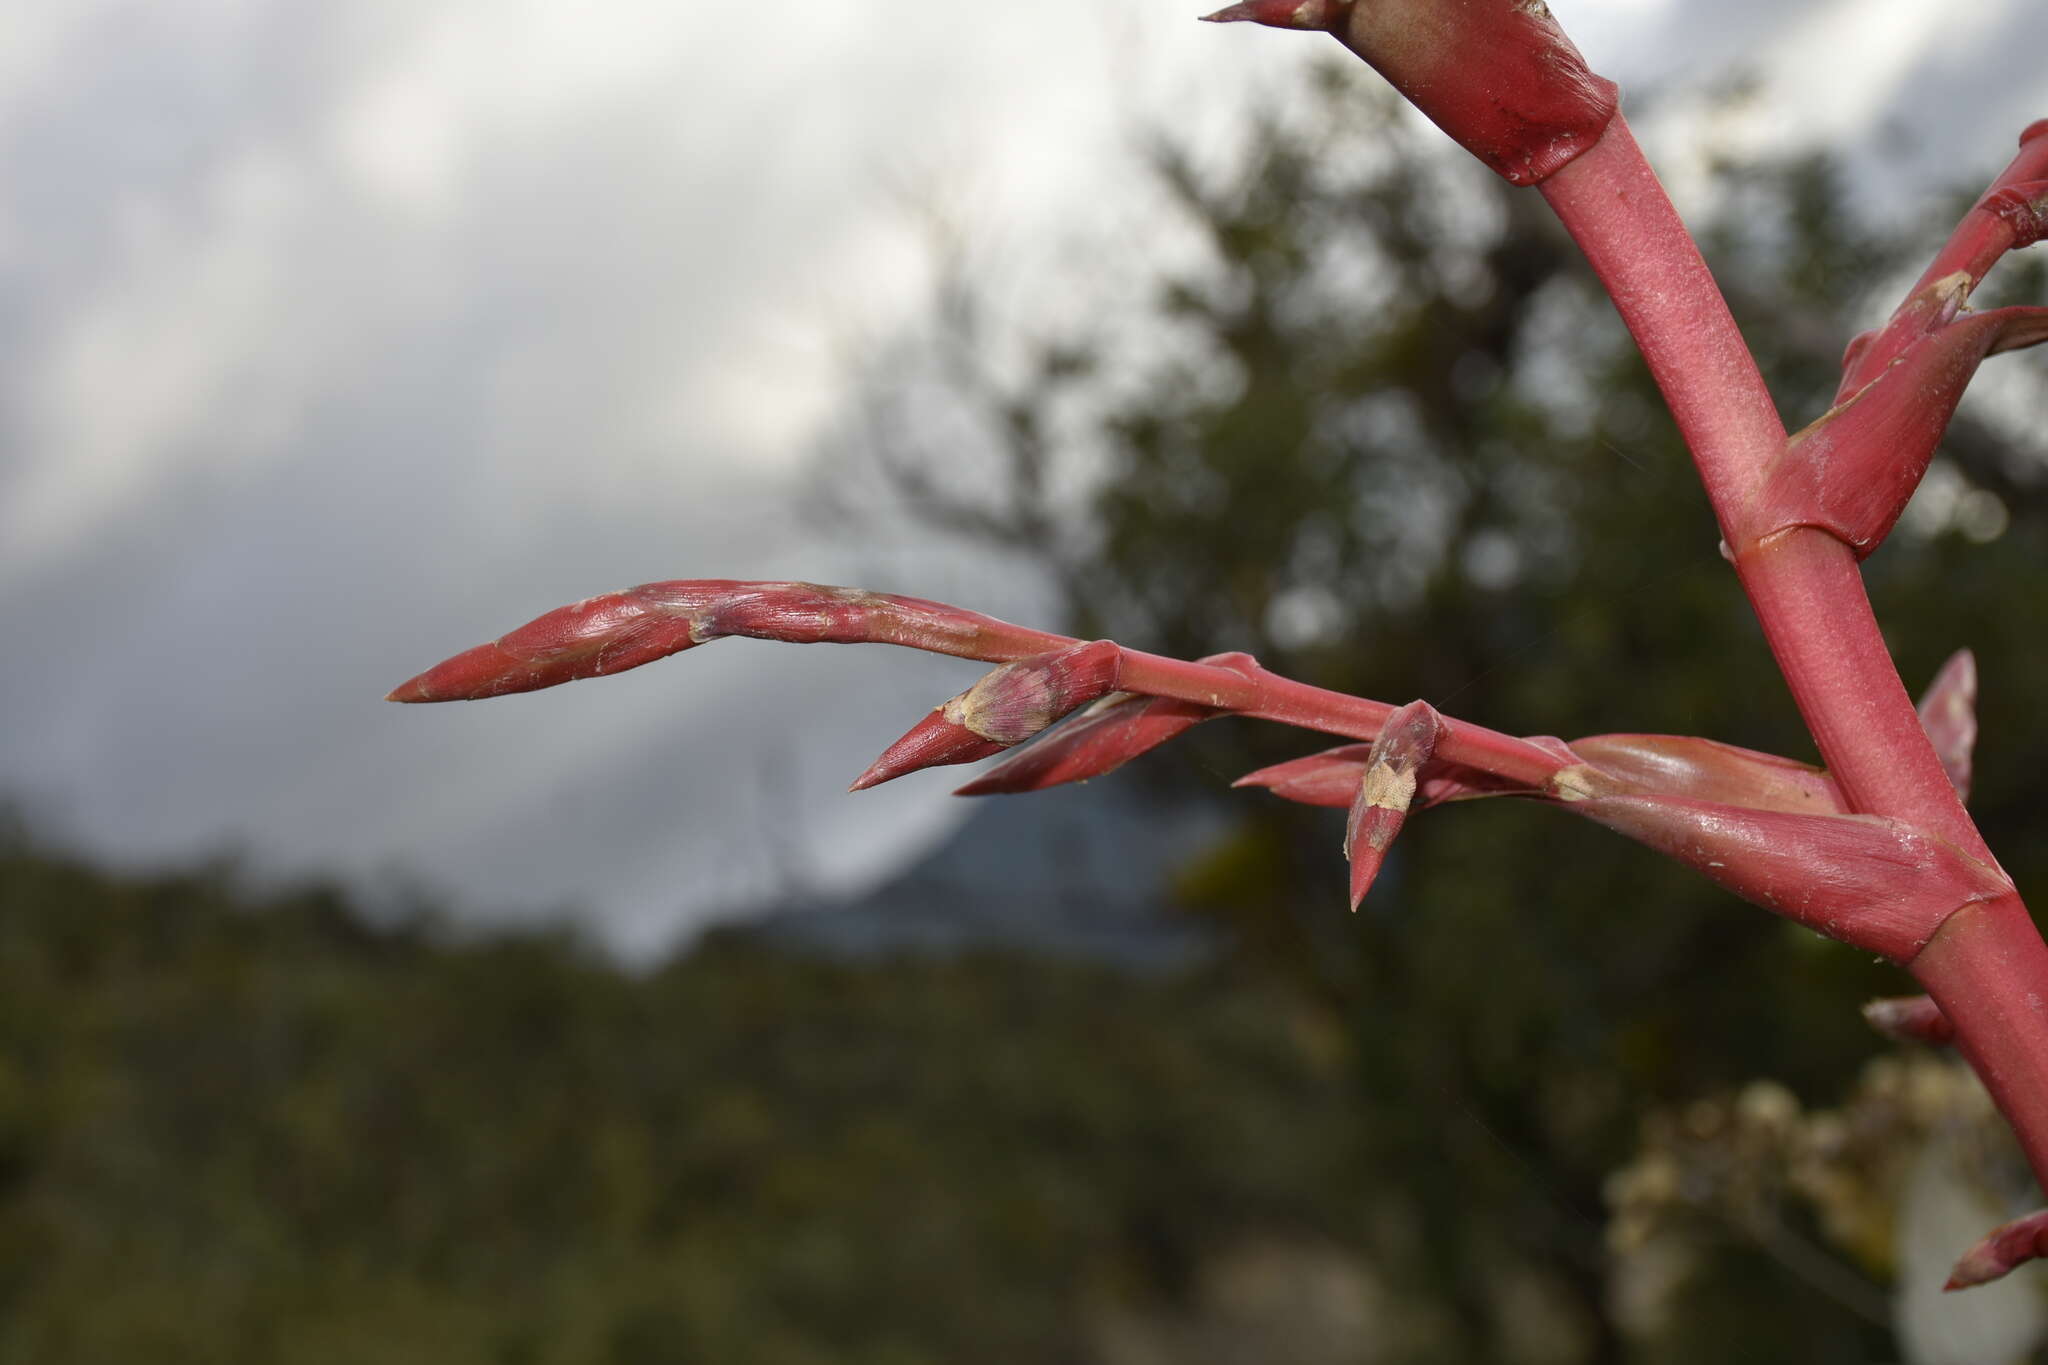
{"x":1386,"y":434}
{"x":254,"y":1128}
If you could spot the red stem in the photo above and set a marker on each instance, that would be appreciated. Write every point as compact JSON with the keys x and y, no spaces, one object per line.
{"x":1988,"y":970}
{"x":1808,"y":593}
{"x":1611,"y":202}
{"x":1268,"y":696}
{"x":1987,"y":967}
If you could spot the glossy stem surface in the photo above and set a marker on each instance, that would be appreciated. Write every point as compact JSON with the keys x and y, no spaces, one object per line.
{"x":1987,"y":967}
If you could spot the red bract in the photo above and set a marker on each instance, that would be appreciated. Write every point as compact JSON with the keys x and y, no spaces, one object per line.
{"x":1609,"y":765}
{"x":1703,"y":770}
{"x":1100,"y":739}
{"x":1497,"y":75}
{"x":1005,"y":708}
{"x":1852,"y":472}
{"x":2004,"y":1251}
{"x":1879,"y":884}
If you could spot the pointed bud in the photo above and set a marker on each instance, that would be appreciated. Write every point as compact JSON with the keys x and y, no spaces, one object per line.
{"x":587,"y":639}
{"x":1007,"y":706}
{"x":1910,"y":1019}
{"x":2004,"y":1251}
{"x":1100,"y":739}
{"x":1948,"y":713}
{"x":1878,"y":884}
{"x":1852,"y":471}
{"x":1387,"y":789}
{"x":1302,"y":14}
{"x":933,"y":742}
{"x":622,"y":630}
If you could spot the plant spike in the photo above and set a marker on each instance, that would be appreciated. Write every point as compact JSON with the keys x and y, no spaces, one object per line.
{"x":1878,"y":850}
{"x":615,"y":631}
{"x":1387,"y":789}
{"x":2004,"y":1251}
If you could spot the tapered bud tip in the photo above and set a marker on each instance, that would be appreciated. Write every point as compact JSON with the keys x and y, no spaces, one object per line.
{"x":1387,"y":789}
{"x":485,"y":671}
{"x":1365,"y":870}
{"x":933,"y":742}
{"x":1298,"y":14}
{"x":2004,"y":1251}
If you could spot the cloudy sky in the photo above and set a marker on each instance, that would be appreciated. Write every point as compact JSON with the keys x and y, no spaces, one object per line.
{"x":336,"y":335}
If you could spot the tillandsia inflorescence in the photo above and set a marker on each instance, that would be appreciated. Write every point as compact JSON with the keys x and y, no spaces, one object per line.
{"x":1875,"y":849}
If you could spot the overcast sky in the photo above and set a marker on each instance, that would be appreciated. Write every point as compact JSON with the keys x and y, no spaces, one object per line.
{"x":336,"y":335}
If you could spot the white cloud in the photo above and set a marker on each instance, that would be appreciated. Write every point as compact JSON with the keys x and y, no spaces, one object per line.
{"x":342,"y":334}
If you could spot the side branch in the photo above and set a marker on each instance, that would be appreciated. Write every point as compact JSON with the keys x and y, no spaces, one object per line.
{"x":1986,"y":967}
{"x":616,"y":631}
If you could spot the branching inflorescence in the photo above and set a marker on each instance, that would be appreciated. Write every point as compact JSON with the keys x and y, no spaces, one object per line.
{"x":1875,"y":849}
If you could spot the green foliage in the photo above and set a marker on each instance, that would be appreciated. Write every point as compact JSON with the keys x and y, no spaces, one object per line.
{"x":242,"y":1128}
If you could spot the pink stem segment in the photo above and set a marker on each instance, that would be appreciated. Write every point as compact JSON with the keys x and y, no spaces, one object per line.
{"x":1613,"y":205}
{"x":1986,"y":968}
